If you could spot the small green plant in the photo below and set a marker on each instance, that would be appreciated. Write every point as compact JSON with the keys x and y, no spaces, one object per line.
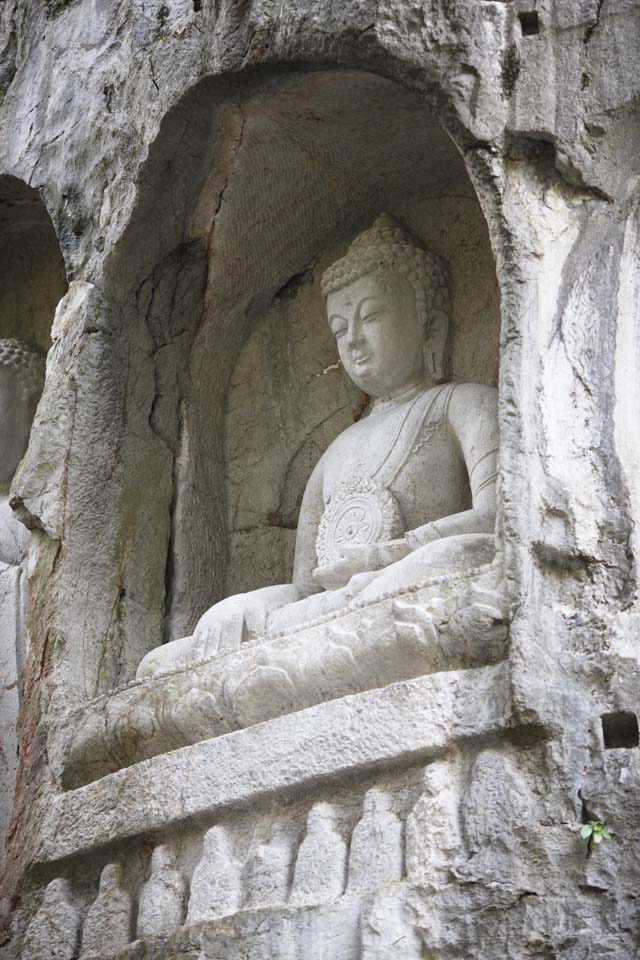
{"x":595,"y":831}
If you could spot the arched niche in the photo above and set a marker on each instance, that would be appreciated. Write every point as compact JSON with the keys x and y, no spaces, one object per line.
{"x":32,"y":274}
{"x":359,"y":145}
{"x":314,"y":162}
{"x":253,"y":186}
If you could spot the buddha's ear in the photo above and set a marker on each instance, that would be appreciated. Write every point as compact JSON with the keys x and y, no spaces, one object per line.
{"x":435,"y":344}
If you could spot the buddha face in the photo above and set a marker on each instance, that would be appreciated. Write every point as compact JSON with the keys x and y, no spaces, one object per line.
{"x":378,"y":332}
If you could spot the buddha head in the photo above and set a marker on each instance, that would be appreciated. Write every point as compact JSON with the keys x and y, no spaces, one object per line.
{"x":21,"y":381}
{"x":387,"y":306}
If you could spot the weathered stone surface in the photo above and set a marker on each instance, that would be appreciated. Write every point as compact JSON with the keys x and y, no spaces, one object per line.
{"x":21,"y":379}
{"x":449,"y":621}
{"x":10,"y":592}
{"x":53,"y":932}
{"x":107,"y":925}
{"x":161,"y":903}
{"x":321,"y":861}
{"x":411,"y":720}
{"x":216,"y":885}
{"x":201,"y":164}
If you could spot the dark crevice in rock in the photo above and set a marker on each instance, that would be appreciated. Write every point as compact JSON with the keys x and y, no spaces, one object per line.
{"x":588,"y":34}
{"x":30,"y":520}
{"x":542,"y":148}
{"x":297,"y":280}
{"x":274,"y":519}
{"x":587,"y":815}
{"x":561,"y":558}
{"x":509,"y":69}
{"x":170,"y":568}
{"x":482,"y":145}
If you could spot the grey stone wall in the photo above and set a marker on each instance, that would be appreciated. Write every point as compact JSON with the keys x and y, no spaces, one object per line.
{"x":147,"y":130}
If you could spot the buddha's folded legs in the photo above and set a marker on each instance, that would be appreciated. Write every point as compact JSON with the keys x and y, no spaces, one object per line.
{"x":439,"y":558}
{"x":317,"y":605}
{"x":229,"y":629}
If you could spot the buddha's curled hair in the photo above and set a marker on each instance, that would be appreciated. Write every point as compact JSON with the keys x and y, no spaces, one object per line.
{"x":387,"y":247}
{"x":27,"y":366}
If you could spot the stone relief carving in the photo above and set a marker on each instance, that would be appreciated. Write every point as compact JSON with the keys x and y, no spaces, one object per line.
{"x":216,"y":886}
{"x":108,"y":920}
{"x":21,"y":381}
{"x":53,"y":932}
{"x":336,"y":862}
{"x":450,"y":621}
{"x":376,"y":855}
{"x":268,"y":870}
{"x":408,"y":491}
{"x":321,"y":863}
{"x":395,"y":573}
{"x":161,"y":906}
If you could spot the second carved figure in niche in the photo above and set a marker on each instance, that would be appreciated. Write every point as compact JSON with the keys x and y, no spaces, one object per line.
{"x":406,"y":493}
{"x":21,"y":382}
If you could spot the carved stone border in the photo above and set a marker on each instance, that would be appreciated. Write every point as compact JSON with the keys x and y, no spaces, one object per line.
{"x":408,"y":721}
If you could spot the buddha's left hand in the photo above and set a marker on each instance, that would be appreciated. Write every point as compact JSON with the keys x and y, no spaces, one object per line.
{"x":365,"y":558}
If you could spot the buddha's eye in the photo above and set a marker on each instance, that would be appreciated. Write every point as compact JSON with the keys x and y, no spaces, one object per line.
{"x":374,"y":315}
{"x":338,"y":328}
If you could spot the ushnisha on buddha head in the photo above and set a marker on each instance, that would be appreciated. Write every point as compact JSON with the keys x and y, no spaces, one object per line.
{"x":21,"y":382}
{"x":388,"y":308}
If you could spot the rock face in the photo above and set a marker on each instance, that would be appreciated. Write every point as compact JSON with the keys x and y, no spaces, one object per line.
{"x":175,"y":178}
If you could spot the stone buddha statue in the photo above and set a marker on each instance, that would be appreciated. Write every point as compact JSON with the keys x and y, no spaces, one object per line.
{"x":21,"y":380}
{"x":406,"y":492}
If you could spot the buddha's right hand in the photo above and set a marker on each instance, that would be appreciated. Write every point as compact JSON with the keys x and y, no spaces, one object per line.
{"x":364,"y":558}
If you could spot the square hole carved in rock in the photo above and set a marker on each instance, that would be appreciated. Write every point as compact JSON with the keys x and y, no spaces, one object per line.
{"x":529,"y":23}
{"x":620,"y":729}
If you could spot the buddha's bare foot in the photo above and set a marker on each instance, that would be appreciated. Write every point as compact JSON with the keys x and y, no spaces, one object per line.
{"x":164,"y":659}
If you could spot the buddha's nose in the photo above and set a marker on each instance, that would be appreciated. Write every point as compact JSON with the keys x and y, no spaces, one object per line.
{"x":355,"y":337}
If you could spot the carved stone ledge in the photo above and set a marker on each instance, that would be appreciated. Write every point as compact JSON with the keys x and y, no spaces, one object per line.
{"x":407,"y":722}
{"x":447,"y":623}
